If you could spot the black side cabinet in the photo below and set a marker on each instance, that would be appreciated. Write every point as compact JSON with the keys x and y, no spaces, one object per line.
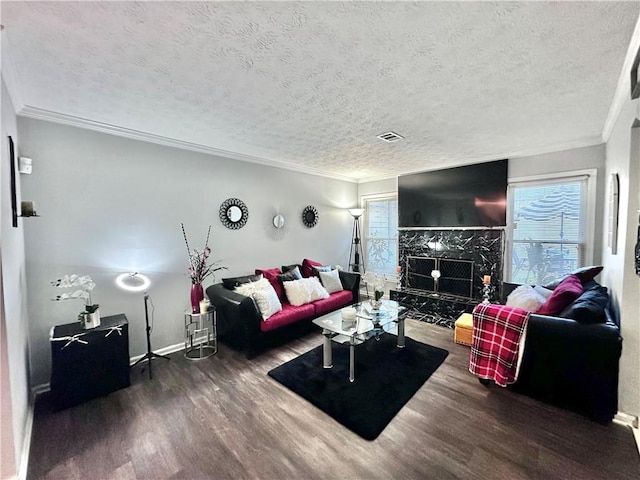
{"x":89,"y":363}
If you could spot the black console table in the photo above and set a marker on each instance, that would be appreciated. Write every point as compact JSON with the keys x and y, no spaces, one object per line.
{"x":428,"y":307}
{"x":89,"y":363}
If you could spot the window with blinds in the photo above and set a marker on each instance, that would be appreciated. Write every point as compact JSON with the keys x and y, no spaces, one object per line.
{"x":380,"y":234}
{"x":548,"y":225}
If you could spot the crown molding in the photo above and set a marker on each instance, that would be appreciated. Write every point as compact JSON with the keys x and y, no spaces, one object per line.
{"x":70,"y":120}
{"x":540,"y":150}
{"x":624,"y":84}
{"x":379,"y":178}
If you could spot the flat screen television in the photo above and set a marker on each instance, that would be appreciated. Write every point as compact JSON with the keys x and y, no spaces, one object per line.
{"x":467,"y":196}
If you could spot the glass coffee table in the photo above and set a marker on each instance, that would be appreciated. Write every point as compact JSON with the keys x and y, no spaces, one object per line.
{"x":367,"y":324}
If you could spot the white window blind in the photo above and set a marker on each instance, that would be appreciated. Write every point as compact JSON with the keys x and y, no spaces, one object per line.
{"x":548,"y":225}
{"x":380,"y":235}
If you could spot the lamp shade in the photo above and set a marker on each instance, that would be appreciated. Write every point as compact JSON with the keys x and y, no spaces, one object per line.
{"x":356,"y":212}
{"x":133,"y":282}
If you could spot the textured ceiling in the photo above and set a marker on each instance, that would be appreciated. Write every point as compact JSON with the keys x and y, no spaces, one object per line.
{"x":311,"y":84}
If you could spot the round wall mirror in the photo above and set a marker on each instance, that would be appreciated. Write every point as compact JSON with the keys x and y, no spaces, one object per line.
{"x":234,"y":213}
{"x":278,"y":221}
{"x":310,"y":216}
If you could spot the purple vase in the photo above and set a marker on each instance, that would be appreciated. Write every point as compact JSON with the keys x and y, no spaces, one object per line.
{"x":197,"y":294}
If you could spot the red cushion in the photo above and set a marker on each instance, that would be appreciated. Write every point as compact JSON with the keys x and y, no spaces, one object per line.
{"x":271,"y":274}
{"x":288,"y":314}
{"x":335,"y":301}
{"x":565,"y":293}
{"x":307,"y":267}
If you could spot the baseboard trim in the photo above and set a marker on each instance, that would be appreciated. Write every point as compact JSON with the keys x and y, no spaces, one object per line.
{"x":45,"y":387}
{"x":26,"y":441}
{"x":630,"y":421}
{"x":163,"y":351}
{"x":625,"y":419}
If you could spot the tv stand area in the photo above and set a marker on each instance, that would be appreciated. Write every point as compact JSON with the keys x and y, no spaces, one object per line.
{"x":440,"y":309}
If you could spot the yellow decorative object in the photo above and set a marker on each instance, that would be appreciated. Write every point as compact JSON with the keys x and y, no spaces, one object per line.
{"x":463,"y":333}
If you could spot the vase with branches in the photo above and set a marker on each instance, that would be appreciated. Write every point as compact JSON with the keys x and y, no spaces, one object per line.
{"x":200,"y":267}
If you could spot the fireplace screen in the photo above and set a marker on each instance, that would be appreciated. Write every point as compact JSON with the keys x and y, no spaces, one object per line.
{"x":456,"y":276}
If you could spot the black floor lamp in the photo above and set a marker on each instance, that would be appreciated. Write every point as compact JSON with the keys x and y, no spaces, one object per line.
{"x":356,"y":259}
{"x":136,"y":282}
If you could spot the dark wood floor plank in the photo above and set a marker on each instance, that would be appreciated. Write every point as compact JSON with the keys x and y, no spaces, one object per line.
{"x":223,"y":417}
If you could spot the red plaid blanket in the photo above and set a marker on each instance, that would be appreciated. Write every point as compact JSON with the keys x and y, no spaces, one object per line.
{"x":497,"y":331}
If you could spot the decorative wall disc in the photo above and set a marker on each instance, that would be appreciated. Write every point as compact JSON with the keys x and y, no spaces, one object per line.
{"x":310,"y":216}
{"x":234,"y":213}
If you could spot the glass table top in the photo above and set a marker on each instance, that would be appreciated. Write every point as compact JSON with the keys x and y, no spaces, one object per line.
{"x":366,"y":320}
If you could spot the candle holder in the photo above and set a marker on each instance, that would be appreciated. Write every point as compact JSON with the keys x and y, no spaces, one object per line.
{"x":486,"y":293}
{"x":435,"y":274}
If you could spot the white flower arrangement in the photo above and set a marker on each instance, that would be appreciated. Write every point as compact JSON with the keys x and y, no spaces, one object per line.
{"x":377,"y":282}
{"x":83,"y":293}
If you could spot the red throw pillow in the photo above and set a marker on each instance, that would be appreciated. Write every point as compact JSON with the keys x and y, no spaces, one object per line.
{"x":271,"y":274}
{"x":307,"y":267}
{"x":565,"y":293}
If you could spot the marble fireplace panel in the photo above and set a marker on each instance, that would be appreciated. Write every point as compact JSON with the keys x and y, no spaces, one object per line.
{"x":482,"y":247}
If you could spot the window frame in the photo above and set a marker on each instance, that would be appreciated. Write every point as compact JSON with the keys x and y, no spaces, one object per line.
{"x":591,"y":176}
{"x":364,"y":199}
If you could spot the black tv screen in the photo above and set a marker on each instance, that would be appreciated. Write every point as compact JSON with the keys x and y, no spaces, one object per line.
{"x":468,"y":196}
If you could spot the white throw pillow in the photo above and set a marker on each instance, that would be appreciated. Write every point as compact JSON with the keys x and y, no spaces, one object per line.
{"x":247,"y":289}
{"x":543,"y":292}
{"x":331,"y":281}
{"x":267,"y":301}
{"x":525,"y":297}
{"x":305,"y":290}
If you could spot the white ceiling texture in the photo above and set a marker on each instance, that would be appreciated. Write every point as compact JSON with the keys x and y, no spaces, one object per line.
{"x":309,"y":85}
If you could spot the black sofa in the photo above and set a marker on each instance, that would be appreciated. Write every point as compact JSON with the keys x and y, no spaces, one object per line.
{"x":239,"y":320}
{"x":571,"y":364}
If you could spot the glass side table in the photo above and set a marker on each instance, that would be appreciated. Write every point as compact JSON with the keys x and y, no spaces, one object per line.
{"x":200,"y":335}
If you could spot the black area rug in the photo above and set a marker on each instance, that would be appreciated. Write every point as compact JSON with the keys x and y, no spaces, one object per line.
{"x":386,"y":377}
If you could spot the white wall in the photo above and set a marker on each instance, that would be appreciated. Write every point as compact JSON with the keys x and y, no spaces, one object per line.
{"x":623,"y":158}
{"x":110,"y":205}
{"x":15,"y":319}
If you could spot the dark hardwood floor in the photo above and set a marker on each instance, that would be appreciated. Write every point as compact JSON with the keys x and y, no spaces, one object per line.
{"x":223,"y":417}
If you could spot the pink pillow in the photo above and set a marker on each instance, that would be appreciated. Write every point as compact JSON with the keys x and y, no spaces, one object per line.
{"x":271,"y":274}
{"x":564,"y":294}
{"x":307,"y":267}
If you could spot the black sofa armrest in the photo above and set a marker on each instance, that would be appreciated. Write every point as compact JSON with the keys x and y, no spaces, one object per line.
{"x":238,"y":316}
{"x":351,"y":281}
{"x":572,"y":365}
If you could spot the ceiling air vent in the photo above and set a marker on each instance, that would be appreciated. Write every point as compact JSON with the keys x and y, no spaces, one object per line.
{"x":390,"y":137}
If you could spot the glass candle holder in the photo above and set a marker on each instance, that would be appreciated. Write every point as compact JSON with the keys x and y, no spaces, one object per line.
{"x":435,"y":274}
{"x":486,"y":293}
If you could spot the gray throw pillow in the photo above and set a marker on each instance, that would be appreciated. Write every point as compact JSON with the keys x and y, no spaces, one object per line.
{"x":331,"y":281}
{"x":233,"y":282}
{"x":289,"y":275}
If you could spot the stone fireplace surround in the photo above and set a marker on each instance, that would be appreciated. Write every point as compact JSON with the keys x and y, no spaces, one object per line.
{"x":482,"y":247}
